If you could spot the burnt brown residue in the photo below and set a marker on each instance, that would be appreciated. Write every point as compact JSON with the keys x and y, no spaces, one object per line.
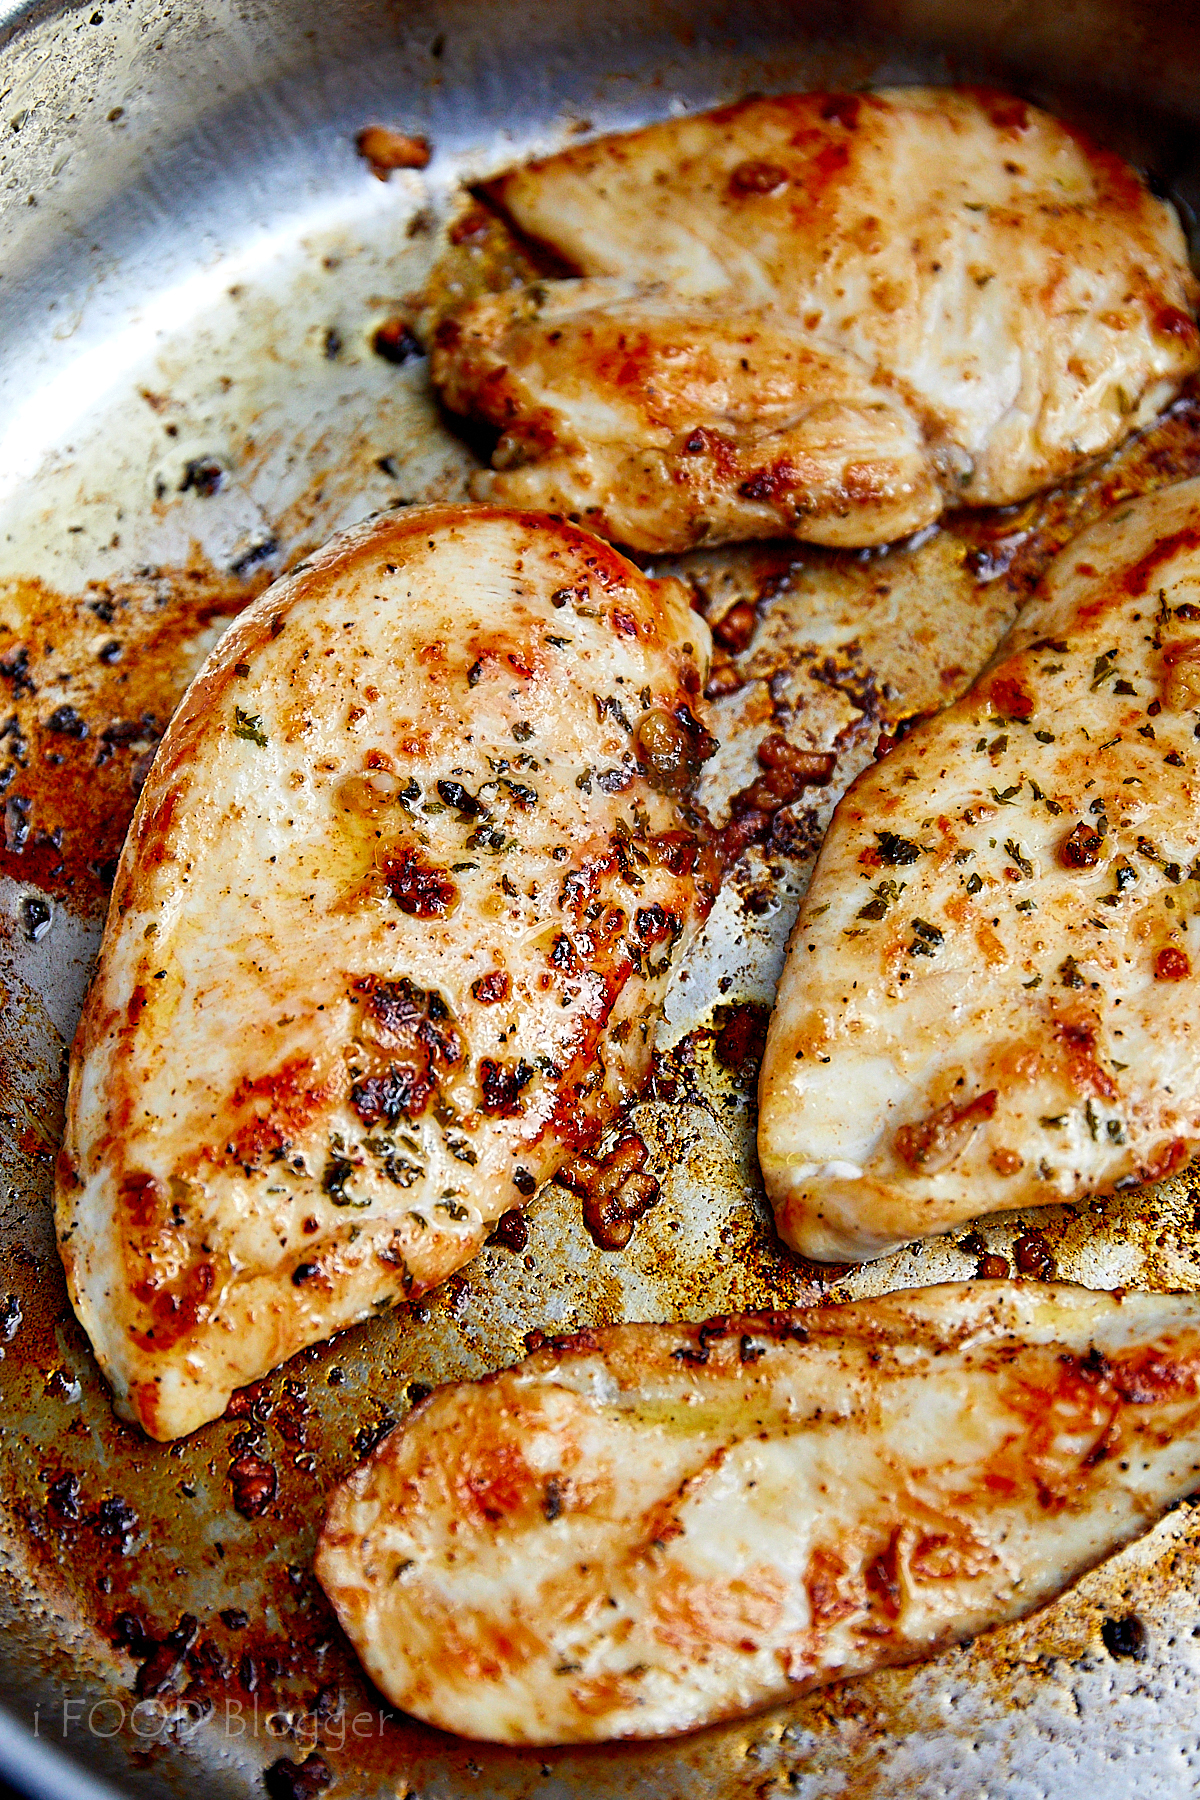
{"x":1125,"y":1638}
{"x":757,"y":811}
{"x":384,"y":150}
{"x":254,"y":1483}
{"x":62,"y":1499}
{"x":741,"y":1036}
{"x":1081,"y":848}
{"x":419,"y":887}
{"x":396,"y":341}
{"x":735,"y":628}
{"x":253,"y":1402}
{"x":87,"y":685}
{"x":117,"y":1521}
{"x":203,"y":475}
{"x":286,"y":1780}
{"x":614,"y":1190}
{"x":510,"y":1230}
{"x":114,"y":1522}
{"x":1033,"y":1257}
{"x":413,"y":1027}
{"x":787,"y":771}
{"x":162,"y":1662}
{"x":671,"y":748}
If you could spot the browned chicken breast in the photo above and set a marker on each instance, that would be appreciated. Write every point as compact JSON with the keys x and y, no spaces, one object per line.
{"x":991,"y":993}
{"x":824,"y":315}
{"x":387,"y":941}
{"x":645,"y":1529}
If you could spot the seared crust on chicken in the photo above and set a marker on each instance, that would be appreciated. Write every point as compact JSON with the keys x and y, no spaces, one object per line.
{"x":824,"y":315}
{"x":990,"y":998}
{"x":387,"y":940}
{"x":646,"y":1529}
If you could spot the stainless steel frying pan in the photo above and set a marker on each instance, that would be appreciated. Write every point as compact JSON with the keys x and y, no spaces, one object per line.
{"x":192,"y":259}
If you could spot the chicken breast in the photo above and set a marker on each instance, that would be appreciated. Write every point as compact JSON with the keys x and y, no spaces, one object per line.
{"x":646,"y":1529}
{"x":991,"y":992}
{"x":387,"y":941}
{"x":822,"y":315}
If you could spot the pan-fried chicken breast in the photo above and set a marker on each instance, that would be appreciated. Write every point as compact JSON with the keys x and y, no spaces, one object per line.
{"x":387,"y":940}
{"x":825,"y":315}
{"x":992,"y":993}
{"x":645,"y":1529}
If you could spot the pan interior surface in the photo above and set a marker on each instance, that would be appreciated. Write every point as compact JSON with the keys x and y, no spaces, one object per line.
{"x":194,"y":263}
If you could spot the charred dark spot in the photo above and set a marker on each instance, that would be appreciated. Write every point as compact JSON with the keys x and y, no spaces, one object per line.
{"x":654,"y":924}
{"x":786,"y":772}
{"x":1081,"y":848}
{"x":66,"y":722}
{"x":62,"y":1499}
{"x":742,"y":1037}
{"x":202,"y":476}
{"x":369,"y":1437}
{"x":400,"y":1092}
{"x":490,"y":989}
{"x":14,"y":666}
{"x":251,"y":1402}
{"x":117,"y":1521}
{"x":35,"y":917}
{"x":501,"y":1085}
{"x":258,"y":552}
{"x":131,"y":1632}
{"x":419,"y":889}
{"x":614,"y":1190}
{"x":1172,"y":321}
{"x":510,"y":1230}
{"x":843,"y":109}
{"x":286,"y":1780}
{"x":883,"y":1579}
{"x":1125,"y":1638}
{"x":552,"y":1499}
{"x":395,"y":341}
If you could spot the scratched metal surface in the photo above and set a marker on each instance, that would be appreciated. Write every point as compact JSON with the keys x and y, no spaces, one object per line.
{"x":192,"y":261}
